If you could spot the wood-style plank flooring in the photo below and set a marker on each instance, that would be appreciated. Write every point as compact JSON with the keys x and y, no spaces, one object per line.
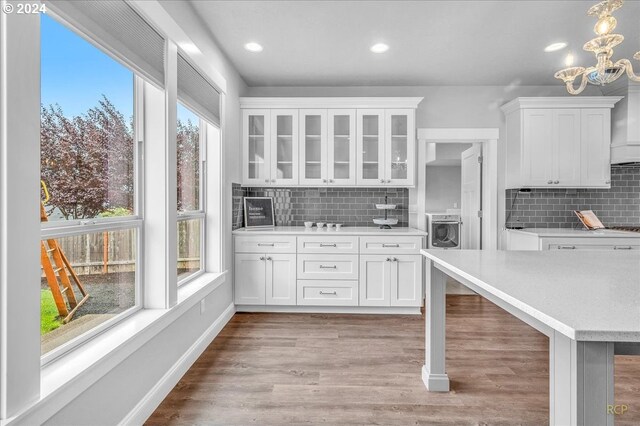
{"x":268,"y":369}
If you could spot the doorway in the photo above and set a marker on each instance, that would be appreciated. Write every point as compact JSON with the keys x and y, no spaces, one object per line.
{"x":487,"y":141}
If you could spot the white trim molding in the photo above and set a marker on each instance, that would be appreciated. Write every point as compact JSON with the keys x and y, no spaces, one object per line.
{"x":322,"y":103}
{"x":143,"y":410}
{"x":560,"y":102}
{"x":488,"y":137}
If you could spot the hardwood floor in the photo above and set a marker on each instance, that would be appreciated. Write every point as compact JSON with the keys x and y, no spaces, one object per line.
{"x":270,"y":369}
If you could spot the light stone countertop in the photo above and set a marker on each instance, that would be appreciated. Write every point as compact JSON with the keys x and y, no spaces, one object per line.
{"x":346,"y":230}
{"x":586,"y":295}
{"x":569,"y":232}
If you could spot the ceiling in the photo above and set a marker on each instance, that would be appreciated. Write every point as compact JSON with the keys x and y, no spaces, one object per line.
{"x":482,"y":42}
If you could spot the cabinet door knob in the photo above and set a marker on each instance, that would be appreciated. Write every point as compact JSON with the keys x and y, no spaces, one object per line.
{"x":273,"y":180}
{"x":266,"y":180}
{"x":608,"y":181}
{"x":388,"y":259}
{"x":549,"y":182}
{"x":261,"y":257}
{"x":388,"y":180}
{"x":557,"y":182}
{"x":324,"y":181}
{"x":268,"y":258}
{"x":330,"y":180}
{"x":381,"y":180}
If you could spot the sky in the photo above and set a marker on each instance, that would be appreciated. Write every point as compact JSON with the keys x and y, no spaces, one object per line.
{"x":75,"y":74}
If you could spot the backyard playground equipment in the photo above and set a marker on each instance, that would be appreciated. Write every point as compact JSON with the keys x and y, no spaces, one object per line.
{"x":59,"y":272}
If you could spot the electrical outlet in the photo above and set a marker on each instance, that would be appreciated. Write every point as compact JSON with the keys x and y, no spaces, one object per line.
{"x":455,"y":205}
{"x":202,"y":307}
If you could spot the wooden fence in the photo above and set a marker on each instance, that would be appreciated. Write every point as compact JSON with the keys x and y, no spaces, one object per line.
{"x":115,"y":251}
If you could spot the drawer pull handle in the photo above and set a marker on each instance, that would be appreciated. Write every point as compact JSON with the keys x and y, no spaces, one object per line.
{"x":266,"y":244}
{"x":390,"y":245}
{"x":567,"y":247}
{"x":329,"y":292}
{"x":328,"y":267}
{"x":622,"y":247}
{"x":328,"y":245}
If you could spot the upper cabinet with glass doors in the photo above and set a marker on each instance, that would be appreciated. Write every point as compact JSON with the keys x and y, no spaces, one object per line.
{"x":270,"y":147}
{"x":329,"y":141}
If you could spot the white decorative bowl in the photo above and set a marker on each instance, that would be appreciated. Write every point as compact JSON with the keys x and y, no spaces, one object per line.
{"x":381,"y":221}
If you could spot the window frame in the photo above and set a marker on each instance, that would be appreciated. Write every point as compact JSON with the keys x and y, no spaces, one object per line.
{"x":201,"y":213}
{"x":68,"y":228}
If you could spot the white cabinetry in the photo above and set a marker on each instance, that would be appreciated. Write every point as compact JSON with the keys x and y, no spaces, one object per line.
{"x":265,"y":270}
{"x":390,"y":280}
{"x":386,"y":147}
{"x":573,"y":240}
{"x":329,"y":141}
{"x":328,"y":270}
{"x":559,"y":142}
{"x":270,"y":141}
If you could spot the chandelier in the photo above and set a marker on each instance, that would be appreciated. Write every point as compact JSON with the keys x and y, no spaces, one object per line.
{"x":602,"y":46}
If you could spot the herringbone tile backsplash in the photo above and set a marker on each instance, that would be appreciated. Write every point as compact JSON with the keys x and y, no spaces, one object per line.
{"x":348,"y":206}
{"x":553,"y":208}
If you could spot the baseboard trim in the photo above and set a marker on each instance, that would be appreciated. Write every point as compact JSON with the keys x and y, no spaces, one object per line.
{"x":381,"y":310}
{"x":147,"y":405}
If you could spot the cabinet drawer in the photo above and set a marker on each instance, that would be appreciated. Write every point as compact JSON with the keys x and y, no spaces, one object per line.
{"x":327,"y":293}
{"x":390,"y":245}
{"x":265,"y":244}
{"x":328,"y":244}
{"x":327,"y":267}
{"x":621,"y":247}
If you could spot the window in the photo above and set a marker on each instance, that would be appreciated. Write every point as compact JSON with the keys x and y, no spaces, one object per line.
{"x":191,"y":212}
{"x":90,"y":217}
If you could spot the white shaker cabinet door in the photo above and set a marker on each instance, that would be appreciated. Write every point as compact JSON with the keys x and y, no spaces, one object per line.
{"x":281,"y":279}
{"x":538,"y":152}
{"x":566,"y":135}
{"x":375,"y":280}
{"x":341,"y":152}
{"x":596,"y":147}
{"x":250,"y":279}
{"x":406,"y":280}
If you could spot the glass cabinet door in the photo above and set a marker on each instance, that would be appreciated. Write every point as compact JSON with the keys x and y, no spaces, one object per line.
{"x":400,"y":146}
{"x":284,"y":147}
{"x":256,"y":144}
{"x":370,"y":147}
{"x":313,"y":147}
{"x":342,"y":147}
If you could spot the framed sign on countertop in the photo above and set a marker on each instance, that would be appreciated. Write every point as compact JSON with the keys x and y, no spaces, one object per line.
{"x":258,"y":212}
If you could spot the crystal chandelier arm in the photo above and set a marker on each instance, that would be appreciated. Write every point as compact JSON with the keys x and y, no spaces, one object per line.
{"x":629,"y":68}
{"x":580,"y":88}
{"x":569,"y":75}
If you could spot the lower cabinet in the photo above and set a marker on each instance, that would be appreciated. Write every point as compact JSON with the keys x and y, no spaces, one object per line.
{"x":265,"y":279}
{"x":394,"y":280}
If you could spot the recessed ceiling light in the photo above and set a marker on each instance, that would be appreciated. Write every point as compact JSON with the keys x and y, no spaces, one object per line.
{"x":253,"y":47}
{"x":379,"y":48}
{"x":554,"y":47}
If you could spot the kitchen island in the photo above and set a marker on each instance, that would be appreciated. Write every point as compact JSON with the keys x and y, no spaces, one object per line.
{"x":587,"y":303}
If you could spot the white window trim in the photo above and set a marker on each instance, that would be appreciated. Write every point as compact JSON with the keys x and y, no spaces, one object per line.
{"x":201,"y":213}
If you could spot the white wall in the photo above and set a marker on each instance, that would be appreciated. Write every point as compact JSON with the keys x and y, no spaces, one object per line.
{"x":443,"y":187}
{"x":445,"y":107}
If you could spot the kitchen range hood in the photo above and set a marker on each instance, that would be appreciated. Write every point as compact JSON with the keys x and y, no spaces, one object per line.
{"x":625,"y":123}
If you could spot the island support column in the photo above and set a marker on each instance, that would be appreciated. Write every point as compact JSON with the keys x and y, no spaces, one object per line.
{"x":580,"y":382}
{"x":433,"y":372}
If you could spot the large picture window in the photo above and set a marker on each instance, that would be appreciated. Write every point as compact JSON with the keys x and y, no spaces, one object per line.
{"x":191,"y":214}
{"x":90,"y":218}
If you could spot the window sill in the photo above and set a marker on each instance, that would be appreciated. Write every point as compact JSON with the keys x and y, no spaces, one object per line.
{"x":67,"y":377}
